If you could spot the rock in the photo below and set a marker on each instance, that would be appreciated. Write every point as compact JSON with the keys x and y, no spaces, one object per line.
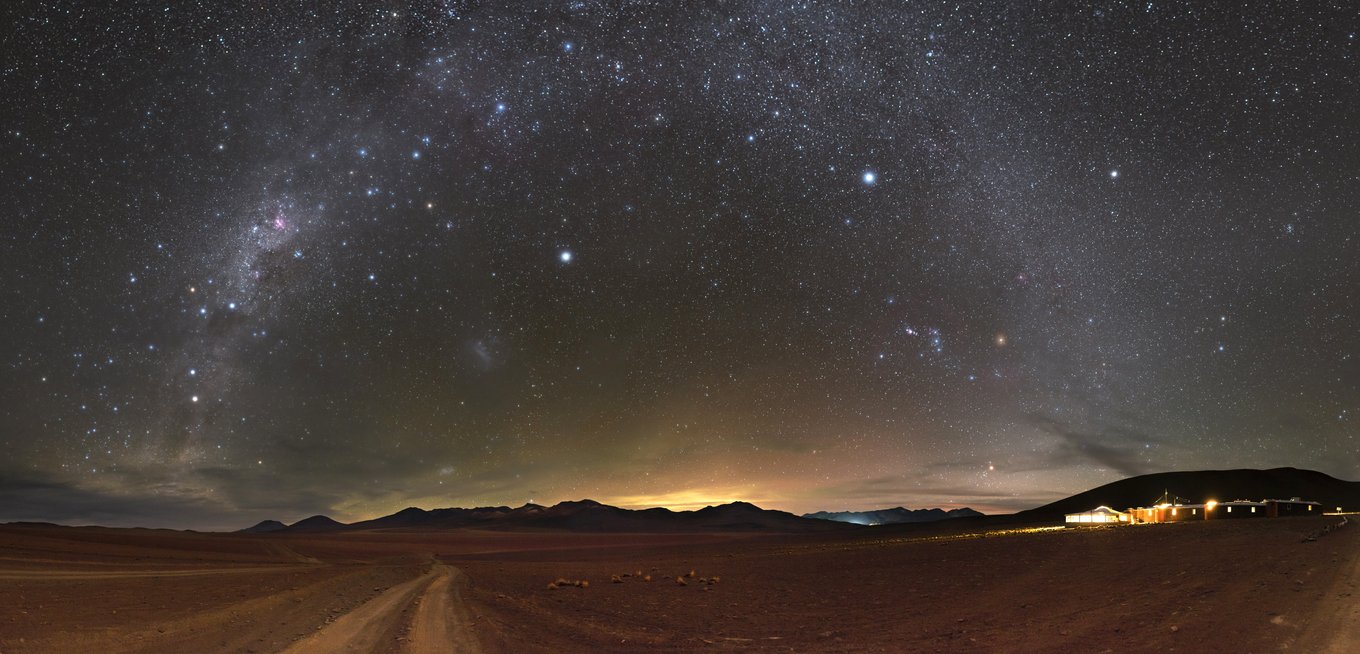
{"x":1174,"y":628}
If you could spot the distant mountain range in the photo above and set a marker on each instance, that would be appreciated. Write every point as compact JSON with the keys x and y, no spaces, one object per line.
{"x":1203,"y":485}
{"x":583,"y":515}
{"x":893,"y":516}
{"x":592,"y":516}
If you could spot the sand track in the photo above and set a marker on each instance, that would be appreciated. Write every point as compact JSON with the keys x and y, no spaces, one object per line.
{"x":441,"y":623}
{"x":1334,"y":627}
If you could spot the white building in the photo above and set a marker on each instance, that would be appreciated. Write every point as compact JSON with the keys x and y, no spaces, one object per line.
{"x":1101,"y":515}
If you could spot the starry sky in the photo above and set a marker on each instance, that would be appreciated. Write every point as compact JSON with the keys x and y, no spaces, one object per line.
{"x":286,"y":258}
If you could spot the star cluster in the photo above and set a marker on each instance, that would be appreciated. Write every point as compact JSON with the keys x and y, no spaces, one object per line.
{"x":350,"y":257}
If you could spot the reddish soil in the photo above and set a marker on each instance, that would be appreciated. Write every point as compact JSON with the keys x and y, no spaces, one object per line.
{"x":1241,"y":586}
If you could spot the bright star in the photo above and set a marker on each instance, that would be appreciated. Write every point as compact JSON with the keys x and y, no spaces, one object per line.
{"x":565,"y":256}
{"x":193,"y":399}
{"x":1114,"y":174}
{"x":870,"y":177}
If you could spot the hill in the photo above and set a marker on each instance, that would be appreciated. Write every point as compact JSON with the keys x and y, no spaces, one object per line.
{"x":264,"y":527}
{"x":1202,"y":485}
{"x":893,"y":516}
{"x":581,"y":515}
{"x":314,"y":524}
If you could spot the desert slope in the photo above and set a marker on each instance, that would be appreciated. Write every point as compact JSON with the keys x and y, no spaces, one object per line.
{"x":1201,"y":485}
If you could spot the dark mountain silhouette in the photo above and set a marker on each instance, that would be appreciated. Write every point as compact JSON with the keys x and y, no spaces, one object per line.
{"x":314,"y":524}
{"x":264,"y":527}
{"x":1202,"y":485}
{"x":893,"y":516}
{"x":582,"y":515}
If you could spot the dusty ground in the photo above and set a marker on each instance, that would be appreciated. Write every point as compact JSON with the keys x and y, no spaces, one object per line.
{"x":1242,"y":586}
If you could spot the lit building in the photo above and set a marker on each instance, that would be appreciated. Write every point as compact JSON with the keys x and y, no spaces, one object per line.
{"x":1101,"y":515}
{"x":1174,"y":509}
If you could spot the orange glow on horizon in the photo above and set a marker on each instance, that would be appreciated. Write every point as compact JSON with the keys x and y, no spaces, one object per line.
{"x":684,"y":500}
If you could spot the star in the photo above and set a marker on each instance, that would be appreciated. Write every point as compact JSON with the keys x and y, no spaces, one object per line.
{"x":869,"y":177}
{"x":564,"y":256}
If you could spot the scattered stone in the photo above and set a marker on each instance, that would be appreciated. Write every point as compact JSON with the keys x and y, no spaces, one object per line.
{"x":1174,"y":628}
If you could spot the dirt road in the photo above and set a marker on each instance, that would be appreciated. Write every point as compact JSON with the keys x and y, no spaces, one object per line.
{"x":441,"y":622}
{"x":1335,"y":627}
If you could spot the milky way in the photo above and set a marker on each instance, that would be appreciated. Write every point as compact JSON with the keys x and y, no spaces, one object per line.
{"x":348,"y":259}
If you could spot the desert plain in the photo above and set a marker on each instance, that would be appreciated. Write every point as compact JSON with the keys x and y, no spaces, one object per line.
{"x":962,"y":586}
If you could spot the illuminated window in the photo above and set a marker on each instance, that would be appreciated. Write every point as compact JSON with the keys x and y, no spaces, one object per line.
{"x":1230,"y":509}
{"x":1194,"y":511}
{"x":1173,"y":511}
{"x":1310,"y":507}
{"x":1253,"y":509}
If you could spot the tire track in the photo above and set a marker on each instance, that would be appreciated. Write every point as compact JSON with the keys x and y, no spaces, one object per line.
{"x":360,"y":630}
{"x":443,"y":624}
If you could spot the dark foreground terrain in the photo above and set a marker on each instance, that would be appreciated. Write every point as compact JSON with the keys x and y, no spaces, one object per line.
{"x":1241,"y":586}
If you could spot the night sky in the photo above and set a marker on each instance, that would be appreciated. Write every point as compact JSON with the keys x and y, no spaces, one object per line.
{"x":272,"y":261}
